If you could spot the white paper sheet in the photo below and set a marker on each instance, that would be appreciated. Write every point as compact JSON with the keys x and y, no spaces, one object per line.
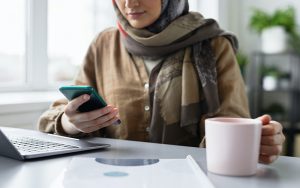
{"x":173,"y":173}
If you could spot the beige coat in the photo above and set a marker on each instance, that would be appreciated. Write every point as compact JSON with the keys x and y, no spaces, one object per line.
{"x":122,"y":79}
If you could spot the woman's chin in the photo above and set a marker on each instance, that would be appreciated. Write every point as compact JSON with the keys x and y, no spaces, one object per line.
{"x":140,"y":24}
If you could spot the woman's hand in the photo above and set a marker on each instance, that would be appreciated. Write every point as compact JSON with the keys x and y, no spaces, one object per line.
{"x":272,"y":139}
{"x":74,"y":122}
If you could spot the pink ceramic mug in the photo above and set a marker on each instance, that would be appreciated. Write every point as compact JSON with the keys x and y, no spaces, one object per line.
{"x":232,"y":145}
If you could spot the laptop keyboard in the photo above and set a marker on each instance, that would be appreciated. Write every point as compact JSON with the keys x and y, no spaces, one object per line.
{"x":33,"y":145}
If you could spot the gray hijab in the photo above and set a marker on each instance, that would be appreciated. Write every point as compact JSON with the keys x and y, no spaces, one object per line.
{"x":171,"y":9}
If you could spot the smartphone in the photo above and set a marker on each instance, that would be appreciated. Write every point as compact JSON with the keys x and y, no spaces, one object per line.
{"x":95,"y":102}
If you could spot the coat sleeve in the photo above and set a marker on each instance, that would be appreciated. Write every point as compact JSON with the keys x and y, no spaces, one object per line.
{"x":50,"y":120}
{"x":231,"y":86}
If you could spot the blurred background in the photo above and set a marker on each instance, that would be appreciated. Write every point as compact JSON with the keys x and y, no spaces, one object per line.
{"x":43,"y":42}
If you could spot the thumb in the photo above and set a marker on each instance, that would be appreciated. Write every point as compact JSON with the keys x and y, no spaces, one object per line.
{"x":265,"y":119}
{"x":74,"y":104}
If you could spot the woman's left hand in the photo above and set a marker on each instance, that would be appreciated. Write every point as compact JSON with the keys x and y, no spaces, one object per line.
{"x":272,"y":139}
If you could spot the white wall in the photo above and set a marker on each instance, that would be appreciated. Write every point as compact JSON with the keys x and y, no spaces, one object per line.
{"x":239,"y":13}
{"x":221,"y":10}
{"x":234,"y":15}
{"x":209,"y":8}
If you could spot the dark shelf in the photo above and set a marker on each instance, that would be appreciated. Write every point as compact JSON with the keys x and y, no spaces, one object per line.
{"x":287,"y":124}
{"x":288,"y":63}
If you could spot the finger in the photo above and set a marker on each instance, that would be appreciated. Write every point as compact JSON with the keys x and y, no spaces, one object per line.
{"x":109,"y":123}
{"x":96,"y":128}
{"x":89,"y":116}
{"x":267,"y":159}
{"x":272,"y":140}
{"x":265,"y":119}
{"x":97,"y":123}
{"x":271,"y":129}
{"x":270,"y":150}
{"x":73,"y":105}
{"x":107,"y":117}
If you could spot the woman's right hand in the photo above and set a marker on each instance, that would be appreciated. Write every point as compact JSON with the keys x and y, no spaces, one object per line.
{"x":74,"y":122}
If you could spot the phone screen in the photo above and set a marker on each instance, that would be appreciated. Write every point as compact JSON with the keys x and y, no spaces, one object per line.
{"x":95,"y":102}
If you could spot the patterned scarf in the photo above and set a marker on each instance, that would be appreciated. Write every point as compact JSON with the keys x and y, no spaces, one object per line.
{"x":183,"y":39}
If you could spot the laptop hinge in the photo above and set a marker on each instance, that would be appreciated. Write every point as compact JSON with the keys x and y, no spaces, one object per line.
{"x":8,"y":149}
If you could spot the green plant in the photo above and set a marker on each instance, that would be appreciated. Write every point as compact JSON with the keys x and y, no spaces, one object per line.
{"x":261,"y":20}
{"x":285,"y":75}
{"x":271,"y":71}
{"x":276,"y":110}
{"x":294,"y":41}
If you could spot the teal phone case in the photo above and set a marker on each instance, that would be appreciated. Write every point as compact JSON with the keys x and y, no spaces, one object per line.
{"x":95,"y":102}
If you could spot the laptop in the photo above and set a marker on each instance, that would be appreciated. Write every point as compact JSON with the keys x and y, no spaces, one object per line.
{"x":23,"y":144}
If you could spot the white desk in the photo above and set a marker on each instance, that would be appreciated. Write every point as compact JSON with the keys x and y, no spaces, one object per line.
{"x":285,"y":172}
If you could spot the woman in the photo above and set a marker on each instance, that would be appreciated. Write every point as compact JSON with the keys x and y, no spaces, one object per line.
{"x":163,"y":71}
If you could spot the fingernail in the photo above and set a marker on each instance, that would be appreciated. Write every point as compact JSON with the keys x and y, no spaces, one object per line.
{"x":118,"y":122}
{"x":86,"y":97}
